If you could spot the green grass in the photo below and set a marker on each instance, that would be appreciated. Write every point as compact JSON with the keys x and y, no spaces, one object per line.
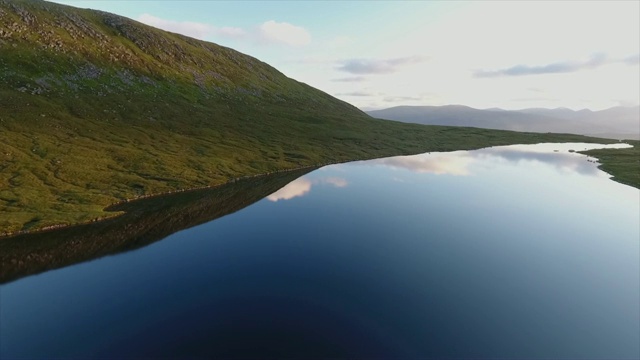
{"x":623,"y":164}
{"x":96,"y":109}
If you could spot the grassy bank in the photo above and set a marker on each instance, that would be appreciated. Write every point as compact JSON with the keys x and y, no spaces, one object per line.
{"x":623,"y":164}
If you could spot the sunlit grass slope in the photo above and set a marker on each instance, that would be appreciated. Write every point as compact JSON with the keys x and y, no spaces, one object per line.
{"x":96,"y":108}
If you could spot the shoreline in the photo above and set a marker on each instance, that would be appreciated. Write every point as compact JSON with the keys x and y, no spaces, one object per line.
{"x":6,"y":235}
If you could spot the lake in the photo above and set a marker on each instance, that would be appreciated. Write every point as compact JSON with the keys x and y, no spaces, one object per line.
{"x":525,"y":251}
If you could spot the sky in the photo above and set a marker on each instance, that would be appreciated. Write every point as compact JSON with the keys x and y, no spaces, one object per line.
{"x":377,"y":54}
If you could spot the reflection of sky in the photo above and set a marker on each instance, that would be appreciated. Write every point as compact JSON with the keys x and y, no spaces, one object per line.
{"x":453,"y":163}
{"x":560,"y":156}
{"x":371,"y":265}
{"x":302,"y":186}
{"x":296,"y":188}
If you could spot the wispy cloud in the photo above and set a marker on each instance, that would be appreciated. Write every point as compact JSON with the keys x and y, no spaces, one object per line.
{"x":269,"y":32}
{"x":632,"y":60}
{"x":356,"y":93}
{"x":285,"y":33}
{"x":231,"y":32}
{"x":377,"y":66}
{"x":535,"y":90}
{"x":188,"y":28}
{"x":402,"y":98}
{"x":595,"y":61}
{"x":350,"y":79}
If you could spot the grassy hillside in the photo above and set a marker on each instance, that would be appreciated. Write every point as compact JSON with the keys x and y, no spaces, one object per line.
{"x":97,"y":108}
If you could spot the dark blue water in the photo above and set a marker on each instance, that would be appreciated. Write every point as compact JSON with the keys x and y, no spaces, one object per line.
{"x":510,"y":252}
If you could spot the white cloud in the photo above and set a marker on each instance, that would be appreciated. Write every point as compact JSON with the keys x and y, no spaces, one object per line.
{"x":356,"y":93}
{"x":377,"y":66}
{"x":350,"y":79}
{"x":231,"y":32}
{"x":281,"y":32}
{"x":188,"y":28}
{"x":593,"y":62}
{"x":269,"y":32}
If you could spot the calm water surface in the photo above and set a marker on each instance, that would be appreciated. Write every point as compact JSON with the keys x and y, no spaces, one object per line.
{"x":506,"y":252}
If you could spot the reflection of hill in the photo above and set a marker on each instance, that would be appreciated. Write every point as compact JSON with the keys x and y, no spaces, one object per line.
{"x":145,"y":221}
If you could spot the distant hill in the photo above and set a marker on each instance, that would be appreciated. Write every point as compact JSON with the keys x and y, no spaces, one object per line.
{"x":616,"y":122}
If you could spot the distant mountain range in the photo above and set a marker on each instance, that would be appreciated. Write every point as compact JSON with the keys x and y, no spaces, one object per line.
{"x":615,"y":123}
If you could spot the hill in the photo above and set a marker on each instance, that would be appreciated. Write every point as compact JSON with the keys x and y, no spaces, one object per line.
{"x":96,"y":109}
{"x":616,"y":123}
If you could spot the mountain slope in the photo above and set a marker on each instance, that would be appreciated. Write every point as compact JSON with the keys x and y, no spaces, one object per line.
{"x":617,"y":122}
{"x":96,"y":108}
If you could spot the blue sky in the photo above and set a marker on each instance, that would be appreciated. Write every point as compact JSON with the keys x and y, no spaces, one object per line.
{"x":377,"y":54}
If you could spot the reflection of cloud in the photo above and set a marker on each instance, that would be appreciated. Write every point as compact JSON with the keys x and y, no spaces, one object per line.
{"x":454,"y":163}
{"x":562,"y":161}
{"x":296,"y":188}
{"x":459,"y":162}
{"x":560,"y":156}
{"x":302,"y":186}
{"x":335,"y":181}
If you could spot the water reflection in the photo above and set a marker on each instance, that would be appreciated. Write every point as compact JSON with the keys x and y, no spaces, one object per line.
{"x":153,"y":219}
{"x":335,"y":181}
{"x":440,"y":267}
{"x":144,"y":222}
{"x":460,"y":163}
{"x":302,"y":186}
{"x":453,"y":163}
{"x":563,"y":161}
{"x":294,"y":189}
